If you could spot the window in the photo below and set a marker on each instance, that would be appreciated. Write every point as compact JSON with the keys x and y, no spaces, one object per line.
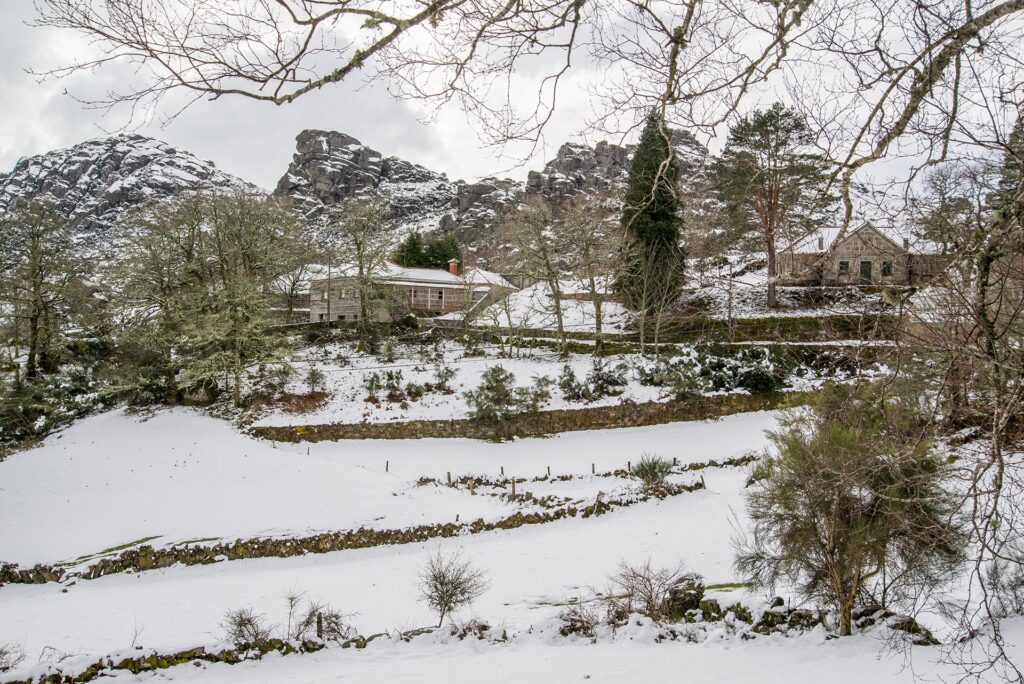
{"x":321,"y":317}
{"x":844,"y":268}
{"x":440,"y":296}
{"x":323,"y":296}
{"x":865,"y":271}
{"x":887,"y":268}
{"x":341,"y":317}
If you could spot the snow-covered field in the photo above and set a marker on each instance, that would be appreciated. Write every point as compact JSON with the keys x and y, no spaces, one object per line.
{"x":176,"y":475}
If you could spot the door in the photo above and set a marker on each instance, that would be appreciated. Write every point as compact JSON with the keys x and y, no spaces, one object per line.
{"x":865,"y":271}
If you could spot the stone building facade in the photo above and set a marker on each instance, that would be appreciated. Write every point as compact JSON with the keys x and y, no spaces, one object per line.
{"x":863,"y":256}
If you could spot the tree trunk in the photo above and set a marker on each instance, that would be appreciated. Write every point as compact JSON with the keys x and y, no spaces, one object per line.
{"x":772,"y":302}
{"x":556,"y":295}
{"x":31,"y":369}
{"x":598,"y":319}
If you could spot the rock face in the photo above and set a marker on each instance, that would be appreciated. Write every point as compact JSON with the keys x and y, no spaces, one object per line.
{"x":605,"y":168}
{"x":95,"y":182}
{"x":329,"y":167}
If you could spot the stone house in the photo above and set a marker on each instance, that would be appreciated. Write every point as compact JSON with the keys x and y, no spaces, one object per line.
{"x":423,"y":292}
{"x":864,"y":256}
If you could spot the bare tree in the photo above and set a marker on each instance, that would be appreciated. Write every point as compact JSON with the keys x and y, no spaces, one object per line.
{"x":358,"y":235}
{"x":532,"y":234}
{"x":449,"y":582}
{"x":588,"y":236}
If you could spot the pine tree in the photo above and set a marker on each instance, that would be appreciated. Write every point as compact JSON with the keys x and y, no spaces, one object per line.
{"x":440,"y":250}
{"x":771,"y":180}
{"x":652,"y":269}
{"x":1007,"y":198}
{"x":411,"y":252}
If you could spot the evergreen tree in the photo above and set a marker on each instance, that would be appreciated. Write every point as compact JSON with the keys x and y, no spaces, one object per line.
{"x":771,"y":180}
{"x":1007,"y":199}
{"x":440,"y":250}
{"x":411,"y":252}
{"x":652,"y":269}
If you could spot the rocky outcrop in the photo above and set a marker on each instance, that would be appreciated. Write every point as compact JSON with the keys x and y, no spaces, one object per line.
{"x":96,"y":182}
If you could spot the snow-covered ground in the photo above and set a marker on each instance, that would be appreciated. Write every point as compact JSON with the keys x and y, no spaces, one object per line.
{"x":347,"y":372}
{"x":533,"y":308}
{"x":114,"y":478}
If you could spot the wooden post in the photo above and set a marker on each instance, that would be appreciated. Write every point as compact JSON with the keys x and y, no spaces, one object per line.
{"x":503,"y":471}
{"x":513,"y":487}
{"x":549,"y":471}
{"x":307,"y":451}
{"x":675,"y":461}
{"x":593,"y":471}
{"x":319,"y":626}
{"x":387,"y":466}
{"x":629,"y":466}
{"x":449,"y":478}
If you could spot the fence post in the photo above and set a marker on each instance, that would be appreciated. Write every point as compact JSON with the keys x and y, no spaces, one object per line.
{"x":319,"y":626}
{"x":449,"y":478}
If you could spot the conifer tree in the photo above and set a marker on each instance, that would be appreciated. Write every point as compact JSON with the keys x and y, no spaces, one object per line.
{"x":410,"y":252}
{"x":771,"y":180}
{"x":652,"y":268}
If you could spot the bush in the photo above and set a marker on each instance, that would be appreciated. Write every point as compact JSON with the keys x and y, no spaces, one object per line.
{"x":372,"y":383}
{"x":315,"y":379}
{"x":280,"y":374}
{"x":11,"y":655}
{"x":316,"y":621}
{"x":606,"y":380}
{"x":442,"y":376}
{"x":393,"y":385}
{"x":572,"y":389}
{"x":448,"y":582}
{"x":652,"y":470}
{"x":661,"y":594}
{"x":497,"y":398}
{"x":856,"y":494}
{"x":579,"y":618}
{"x":1005,"y":582}
{"x":245,"y":629}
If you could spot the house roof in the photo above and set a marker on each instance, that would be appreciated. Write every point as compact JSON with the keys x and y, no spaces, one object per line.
{"x":478,"y":276}
{"x":827,"y":236}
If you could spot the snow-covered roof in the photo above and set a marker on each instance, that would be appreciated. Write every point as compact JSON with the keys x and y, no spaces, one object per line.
{"x":478,"y":276}
{"x":823,"y":239}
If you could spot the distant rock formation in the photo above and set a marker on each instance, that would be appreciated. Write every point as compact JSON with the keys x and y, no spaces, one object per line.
{"x":95,"y":182}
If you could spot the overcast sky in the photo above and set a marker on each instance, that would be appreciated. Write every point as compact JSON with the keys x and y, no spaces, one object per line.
{"x":249,"y":139}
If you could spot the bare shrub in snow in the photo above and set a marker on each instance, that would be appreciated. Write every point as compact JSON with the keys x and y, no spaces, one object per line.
{"x":659,"y":593}
{"x":11,"y":655}
{"x":318,"y":620}
{"x":449,"y":582}
{"x":652,"y":470}
{"x":243,"y":627}
{"x":1005,"y":583}
{"x":579,"y":618}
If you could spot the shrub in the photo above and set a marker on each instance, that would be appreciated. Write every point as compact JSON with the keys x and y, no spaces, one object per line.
{"x":497,"y":398}
{"x":315,"y":379}
{"x":1005,"y":581}
{"x":372,"y":383}
{"x":579,"y":618}
{"x":652,"y":470}
{"x":448,"y":582}
{"x":246,"y":629}
{"x":442,"y":376}
{"x":856,"y":494}
{"x":388,"y":355}
{"x":572,"y":389}
{"x":11,"y":655}
{"x":393,"y":385}
{"x":606,"y":380}
{"x":658,"y":593}
{"x":280,"y":374}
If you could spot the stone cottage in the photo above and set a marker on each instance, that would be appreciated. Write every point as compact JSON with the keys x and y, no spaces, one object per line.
{"x":866,"y":255}
{"x":423,"y":292}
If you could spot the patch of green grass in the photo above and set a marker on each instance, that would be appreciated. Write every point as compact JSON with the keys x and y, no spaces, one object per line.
{"x":111,"y":550}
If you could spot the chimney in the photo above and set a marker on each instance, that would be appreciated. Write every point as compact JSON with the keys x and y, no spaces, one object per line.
{"x":821,"y":244}
{"x":453,"y":266}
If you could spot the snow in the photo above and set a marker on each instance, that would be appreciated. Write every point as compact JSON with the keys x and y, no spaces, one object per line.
{"x":532,"y":307}
{"x":114,"y":479}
